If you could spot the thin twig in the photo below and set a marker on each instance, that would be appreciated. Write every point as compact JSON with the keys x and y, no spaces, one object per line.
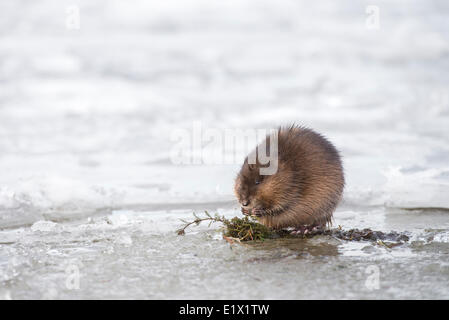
{"x":198,"y":220}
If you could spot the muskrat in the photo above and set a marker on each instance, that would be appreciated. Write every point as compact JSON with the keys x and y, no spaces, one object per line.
{"x":304,"y":191}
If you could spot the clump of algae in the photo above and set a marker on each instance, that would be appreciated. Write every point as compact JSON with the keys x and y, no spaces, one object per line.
{"x":245,"y":229}
{"x":240,"y":229}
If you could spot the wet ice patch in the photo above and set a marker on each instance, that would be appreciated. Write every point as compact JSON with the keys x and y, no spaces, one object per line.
{"x":44,"y":226}
{"x":124,"y":239}
{"x":442,"y":237}
{"x":374,"y":250}
{"x":357,"y":249}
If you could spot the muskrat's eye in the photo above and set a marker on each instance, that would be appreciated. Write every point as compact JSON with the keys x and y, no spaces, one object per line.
{"x":257,"y":182}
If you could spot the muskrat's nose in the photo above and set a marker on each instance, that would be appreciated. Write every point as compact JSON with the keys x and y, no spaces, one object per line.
{"x":245,"y":203}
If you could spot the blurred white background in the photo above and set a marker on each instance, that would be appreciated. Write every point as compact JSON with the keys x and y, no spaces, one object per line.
{"x":90,"y":92}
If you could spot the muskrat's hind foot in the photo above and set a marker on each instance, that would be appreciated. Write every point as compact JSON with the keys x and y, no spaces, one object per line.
{"x":307,"y":229}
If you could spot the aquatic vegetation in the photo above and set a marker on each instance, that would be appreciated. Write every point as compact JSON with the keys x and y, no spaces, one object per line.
{"x":198,"y":220}
{"x":236,"y":228}
{"x":248,"y":229}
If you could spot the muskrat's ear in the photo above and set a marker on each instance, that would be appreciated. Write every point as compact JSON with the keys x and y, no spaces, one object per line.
{"x":251,"y":166}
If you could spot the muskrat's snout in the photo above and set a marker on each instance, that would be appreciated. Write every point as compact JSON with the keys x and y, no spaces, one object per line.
{"x":247,"y":192}
{"x":246,"y":209}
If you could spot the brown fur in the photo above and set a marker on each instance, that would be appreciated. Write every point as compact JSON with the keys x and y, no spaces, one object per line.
{"x":305,"y":190}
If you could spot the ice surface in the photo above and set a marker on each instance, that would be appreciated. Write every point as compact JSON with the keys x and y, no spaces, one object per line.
{"x":86,"y":117}
{"x":137,"y":255}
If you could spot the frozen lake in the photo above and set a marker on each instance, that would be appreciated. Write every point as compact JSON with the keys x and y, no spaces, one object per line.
{"x":89,"y":103}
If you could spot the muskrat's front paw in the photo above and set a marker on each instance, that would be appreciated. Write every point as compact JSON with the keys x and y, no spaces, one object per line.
{"x":258,"y":212}
{"x":246,"y":212}
{"x":255,"y":212}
